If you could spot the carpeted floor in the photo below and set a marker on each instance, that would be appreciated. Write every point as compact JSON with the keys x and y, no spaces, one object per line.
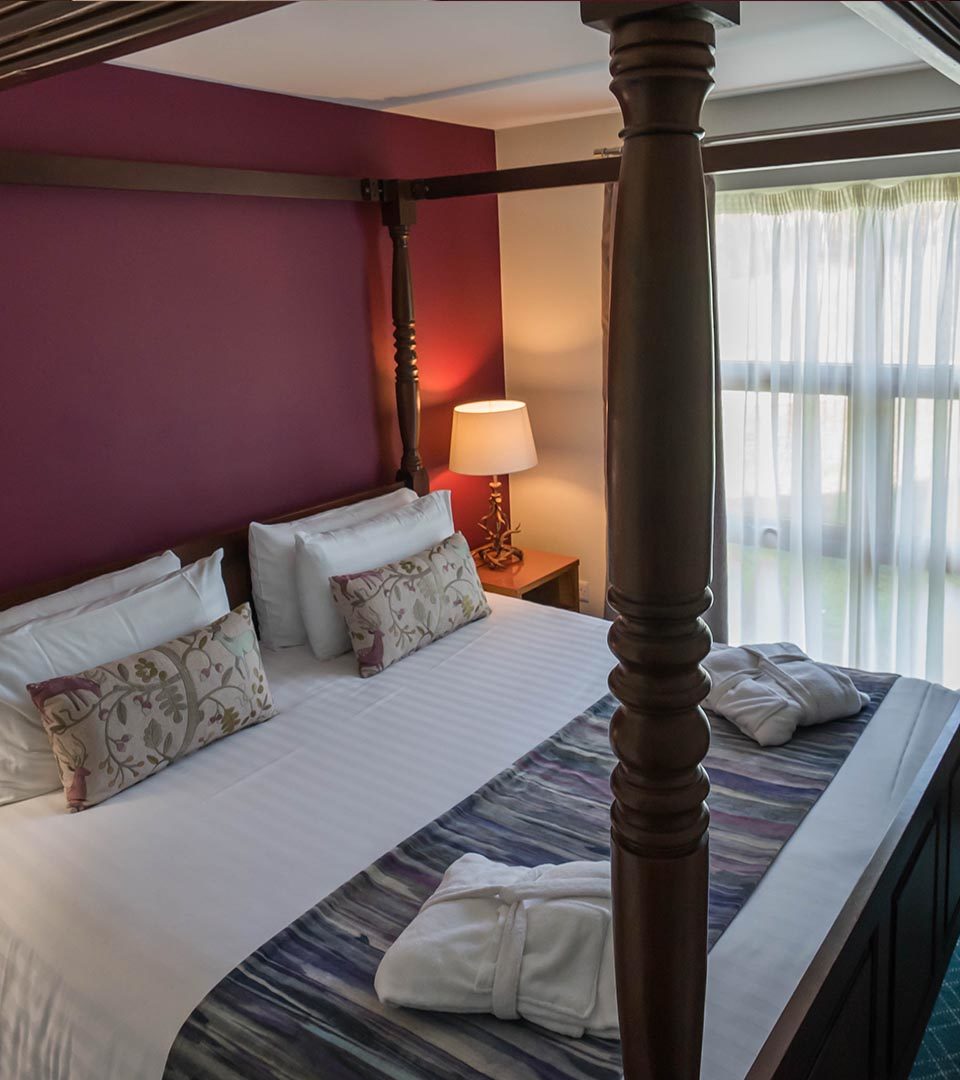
{"x":939,"y":1056}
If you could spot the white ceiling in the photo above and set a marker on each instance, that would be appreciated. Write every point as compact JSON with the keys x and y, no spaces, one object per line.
{"x":501,"y":63}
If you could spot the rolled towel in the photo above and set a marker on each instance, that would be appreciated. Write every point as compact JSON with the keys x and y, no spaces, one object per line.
{"x":530,"y":942}
{"x":768,"y":691}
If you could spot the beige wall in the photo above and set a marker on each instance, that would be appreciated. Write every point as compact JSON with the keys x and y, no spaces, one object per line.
{"x":550,"y":273}
{"x":550,"y":276}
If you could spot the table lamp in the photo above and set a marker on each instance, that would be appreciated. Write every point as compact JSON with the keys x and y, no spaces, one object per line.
{"x":492,"y":438}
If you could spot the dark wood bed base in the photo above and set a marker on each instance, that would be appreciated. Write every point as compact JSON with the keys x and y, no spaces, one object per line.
{"x":860,"y":1009}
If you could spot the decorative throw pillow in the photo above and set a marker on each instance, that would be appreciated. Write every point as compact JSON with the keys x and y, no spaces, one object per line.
{"x":96,"y":633}
{"x":116,"y":724}
{"x":397,"y":609}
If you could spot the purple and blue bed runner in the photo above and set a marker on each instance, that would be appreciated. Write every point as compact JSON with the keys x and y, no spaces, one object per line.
{"x":302,"y":1007}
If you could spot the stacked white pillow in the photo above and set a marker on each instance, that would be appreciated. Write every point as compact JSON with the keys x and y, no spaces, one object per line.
{"x":88,"y":592}
{"x":384,"y":539}
{"x":97,"y":632}
{"x":273,"y":563}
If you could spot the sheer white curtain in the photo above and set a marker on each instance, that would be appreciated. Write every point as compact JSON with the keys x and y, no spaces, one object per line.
{"x":839,"y":314}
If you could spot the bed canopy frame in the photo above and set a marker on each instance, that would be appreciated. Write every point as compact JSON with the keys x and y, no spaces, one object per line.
{"x":861,"y":1008}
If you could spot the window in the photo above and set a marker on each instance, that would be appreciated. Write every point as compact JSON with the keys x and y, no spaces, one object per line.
{"x":839,"y":313}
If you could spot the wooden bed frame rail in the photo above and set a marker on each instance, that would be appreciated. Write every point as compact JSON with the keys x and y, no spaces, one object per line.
{"x":46,"y":37}
{"x":110,"y":174}
{"x":920,"y":136}
{"x":732,"y":155}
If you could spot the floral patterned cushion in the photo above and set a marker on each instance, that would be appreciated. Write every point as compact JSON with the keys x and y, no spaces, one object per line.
{"x":397,"y":609}
{"x":116,"y":724}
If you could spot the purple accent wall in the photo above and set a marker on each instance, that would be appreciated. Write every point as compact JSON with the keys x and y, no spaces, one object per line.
{"x":172,"y":364}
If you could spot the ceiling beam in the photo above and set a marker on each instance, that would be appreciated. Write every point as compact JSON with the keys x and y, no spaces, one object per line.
{"x":40,"y":38}
{"x":930,"y":29}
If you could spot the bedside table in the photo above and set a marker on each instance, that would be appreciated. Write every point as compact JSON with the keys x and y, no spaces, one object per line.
{"x":548,"y":579}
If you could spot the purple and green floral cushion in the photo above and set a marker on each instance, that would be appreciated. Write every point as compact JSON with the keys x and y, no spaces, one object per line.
{"x":392,"y":611}
{"x":116,"y":724}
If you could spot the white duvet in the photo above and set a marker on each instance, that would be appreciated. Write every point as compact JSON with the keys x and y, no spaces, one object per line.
{"x":115,"y":922}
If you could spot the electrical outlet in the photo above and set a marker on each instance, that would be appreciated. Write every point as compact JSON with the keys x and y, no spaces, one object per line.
{"x":584,"y":592}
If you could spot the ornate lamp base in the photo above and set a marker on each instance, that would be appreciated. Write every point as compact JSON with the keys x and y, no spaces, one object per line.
{"x":498,"y":552}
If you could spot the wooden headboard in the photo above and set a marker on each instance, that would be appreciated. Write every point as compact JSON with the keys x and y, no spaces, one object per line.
{"x":236,"y":563}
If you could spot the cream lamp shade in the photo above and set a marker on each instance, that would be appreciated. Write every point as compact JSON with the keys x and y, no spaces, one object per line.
{"x":491,"y":438}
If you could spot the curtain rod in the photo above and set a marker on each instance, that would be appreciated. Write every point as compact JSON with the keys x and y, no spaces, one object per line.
{"x":814,"y":129}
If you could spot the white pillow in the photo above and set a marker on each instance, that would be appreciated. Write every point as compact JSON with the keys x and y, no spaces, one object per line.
{"x":375,"y":543}
{"x":273,"y":563}
{"x":69,"y":643}
{"x":87,"y":592}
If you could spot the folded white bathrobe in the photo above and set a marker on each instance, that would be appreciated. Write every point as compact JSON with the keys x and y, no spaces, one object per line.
{"x":768,"y":691}
{"x":515,"y":941}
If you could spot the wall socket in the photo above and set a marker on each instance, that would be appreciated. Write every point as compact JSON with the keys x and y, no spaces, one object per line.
{"x":584,"y":592}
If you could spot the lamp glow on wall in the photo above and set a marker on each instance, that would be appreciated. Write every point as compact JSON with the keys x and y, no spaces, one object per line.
{"x":493,"y":438}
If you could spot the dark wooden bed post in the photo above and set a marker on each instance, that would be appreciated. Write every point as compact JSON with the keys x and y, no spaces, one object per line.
{"x":660,"y":471}
{"x":399,"y":213}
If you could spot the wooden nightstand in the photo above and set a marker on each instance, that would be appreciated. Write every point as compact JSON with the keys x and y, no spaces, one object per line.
{"x":548,"y":579}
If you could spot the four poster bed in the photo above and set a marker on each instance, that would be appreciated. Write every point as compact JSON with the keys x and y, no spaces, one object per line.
{"x":871,"y":878}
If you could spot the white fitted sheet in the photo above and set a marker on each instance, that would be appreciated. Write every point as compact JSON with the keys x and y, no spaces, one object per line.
{"x":114,"y":923}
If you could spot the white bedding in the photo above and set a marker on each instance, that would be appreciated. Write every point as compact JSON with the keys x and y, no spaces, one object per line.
{"x":114,"y":923}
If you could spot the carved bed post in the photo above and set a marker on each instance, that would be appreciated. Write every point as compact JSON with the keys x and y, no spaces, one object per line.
{"x":399,"y":213}
{"x":660,"y":466}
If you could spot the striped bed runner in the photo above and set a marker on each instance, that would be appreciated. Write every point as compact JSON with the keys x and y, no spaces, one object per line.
{"x":302,"y":1007}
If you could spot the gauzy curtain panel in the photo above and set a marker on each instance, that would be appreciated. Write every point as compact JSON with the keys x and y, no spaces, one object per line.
{"x":841,"y":382}
{"x":716,"y":617}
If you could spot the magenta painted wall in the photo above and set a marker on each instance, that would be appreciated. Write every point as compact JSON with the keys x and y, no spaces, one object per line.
{"x":173,"y":364}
